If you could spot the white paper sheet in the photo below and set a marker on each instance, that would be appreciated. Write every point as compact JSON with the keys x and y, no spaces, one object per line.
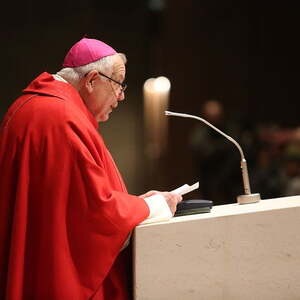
{"x":184,"y":189}
{"x":164,"y":214}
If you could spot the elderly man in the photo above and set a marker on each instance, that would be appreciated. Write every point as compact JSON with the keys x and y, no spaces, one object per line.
{"x":65,"y":214}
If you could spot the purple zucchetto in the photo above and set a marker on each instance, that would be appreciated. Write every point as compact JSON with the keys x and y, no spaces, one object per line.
{"x":87,"y":51}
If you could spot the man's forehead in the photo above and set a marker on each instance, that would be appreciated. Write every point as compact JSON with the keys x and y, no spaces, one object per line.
{"x":119,"y":68}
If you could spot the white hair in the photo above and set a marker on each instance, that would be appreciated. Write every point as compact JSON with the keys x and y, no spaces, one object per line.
{"x":105,"y":65}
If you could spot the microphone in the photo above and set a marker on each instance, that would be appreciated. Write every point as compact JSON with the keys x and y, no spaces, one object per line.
{"x":241,"y":199}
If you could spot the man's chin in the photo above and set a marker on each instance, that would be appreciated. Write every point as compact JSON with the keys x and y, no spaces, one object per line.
{"x":103,"y":118}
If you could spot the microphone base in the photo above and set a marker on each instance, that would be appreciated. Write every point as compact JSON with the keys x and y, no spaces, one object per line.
{"x":247,"y":199}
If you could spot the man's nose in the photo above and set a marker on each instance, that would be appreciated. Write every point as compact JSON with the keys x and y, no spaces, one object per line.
{"x":121,"y":96}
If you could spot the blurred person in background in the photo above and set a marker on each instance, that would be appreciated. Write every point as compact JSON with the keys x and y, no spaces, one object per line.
{"x":277,"y":169}
{"x":291,"y":168}
{"x":216,"y":160}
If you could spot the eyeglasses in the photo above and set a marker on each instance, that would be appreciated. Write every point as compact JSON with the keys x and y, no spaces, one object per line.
{"x":123,"y":85}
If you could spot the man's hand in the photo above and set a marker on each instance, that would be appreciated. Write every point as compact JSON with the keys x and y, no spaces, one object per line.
{"x":171,"y":198}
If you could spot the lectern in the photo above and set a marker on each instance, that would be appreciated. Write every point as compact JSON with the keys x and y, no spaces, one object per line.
{"x":236,"y":251}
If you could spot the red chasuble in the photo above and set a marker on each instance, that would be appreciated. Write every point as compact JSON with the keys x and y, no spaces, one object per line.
{"x":64,"y":210}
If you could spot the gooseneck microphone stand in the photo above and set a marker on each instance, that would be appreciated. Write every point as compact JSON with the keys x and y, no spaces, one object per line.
{"x":241,"y":199}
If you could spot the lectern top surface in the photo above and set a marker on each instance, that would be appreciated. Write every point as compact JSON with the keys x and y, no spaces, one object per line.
{"x":236,"y":209}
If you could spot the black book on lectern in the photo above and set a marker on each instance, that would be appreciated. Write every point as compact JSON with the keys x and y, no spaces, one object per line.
{"x":190,"y":207}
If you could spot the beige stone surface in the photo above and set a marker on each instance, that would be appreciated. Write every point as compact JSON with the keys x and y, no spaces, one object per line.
{"x":237,"y":252}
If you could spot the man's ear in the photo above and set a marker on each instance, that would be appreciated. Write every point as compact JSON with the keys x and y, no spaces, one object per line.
{"x":89,"y":80}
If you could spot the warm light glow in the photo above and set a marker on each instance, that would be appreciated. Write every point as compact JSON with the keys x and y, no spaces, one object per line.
{"x":157,"y":85}
{"x":161,"y":84}
{"x":148,"y":85}
{"x":156,"y":101}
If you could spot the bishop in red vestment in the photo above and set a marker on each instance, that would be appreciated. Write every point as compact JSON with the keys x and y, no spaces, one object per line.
{"x":65,"y":213}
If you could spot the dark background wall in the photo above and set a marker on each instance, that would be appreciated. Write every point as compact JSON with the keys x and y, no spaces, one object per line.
{"x":239,"y":52}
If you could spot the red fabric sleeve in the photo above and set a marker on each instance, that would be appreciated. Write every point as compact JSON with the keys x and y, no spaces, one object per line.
{"x":111,"y":214}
